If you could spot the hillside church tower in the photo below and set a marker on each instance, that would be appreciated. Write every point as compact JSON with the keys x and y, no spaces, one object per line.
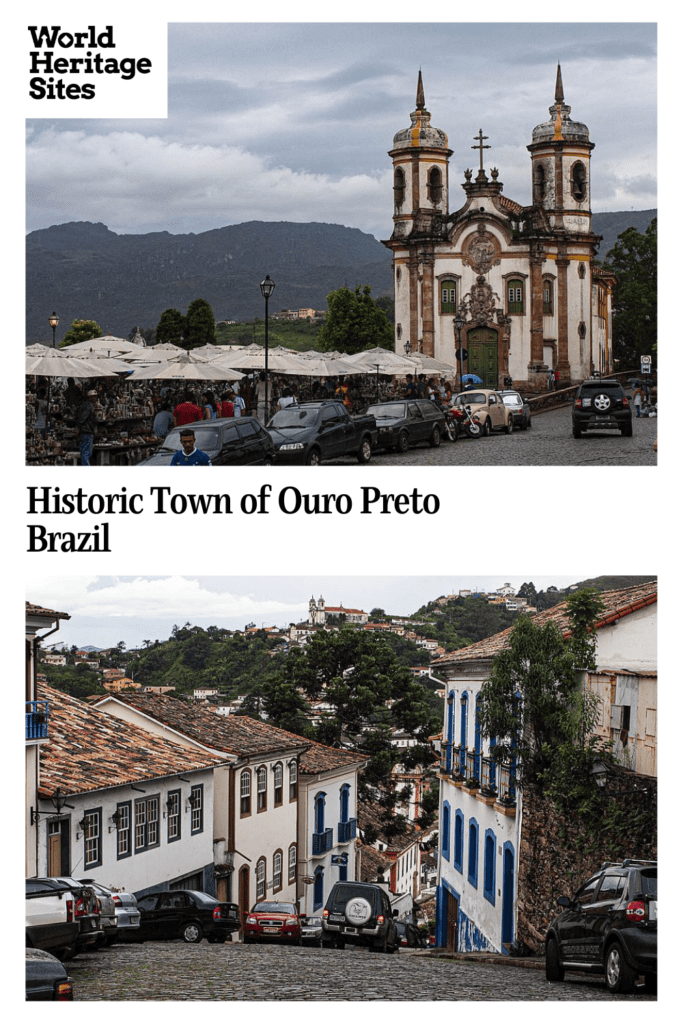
{"x":522,"y":278}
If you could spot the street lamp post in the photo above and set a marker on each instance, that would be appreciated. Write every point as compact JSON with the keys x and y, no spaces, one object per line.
{"x":54,"y":320}
{"x":459,"y":323}
{"x":267,"y":287}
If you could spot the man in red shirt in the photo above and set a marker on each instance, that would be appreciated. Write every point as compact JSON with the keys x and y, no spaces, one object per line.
{"x":186,"y":412}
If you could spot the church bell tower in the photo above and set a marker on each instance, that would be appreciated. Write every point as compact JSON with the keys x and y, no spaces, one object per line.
{"x":560,"y":167}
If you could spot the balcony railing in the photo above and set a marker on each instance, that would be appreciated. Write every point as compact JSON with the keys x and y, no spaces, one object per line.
{"x":347,"y":831}
{"x":36,"y":719}
{"x":322,"y":842}
{"x":488,"y":775}
{"x":507,"y":791}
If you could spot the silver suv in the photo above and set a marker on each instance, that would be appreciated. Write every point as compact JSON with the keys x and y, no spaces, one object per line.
{"x":359,"y":913}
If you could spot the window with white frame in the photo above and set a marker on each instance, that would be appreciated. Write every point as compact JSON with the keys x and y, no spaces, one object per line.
{"x":277,"y":784}
{"x":261,"y":879}
{"x":146,"y":823}
{"x":292,"y":780}
{"x":262,"y":788}
{"x":123,"y":837}
{"x":196,"y":809}
{"x":291,"y":874}
{"x":92,"y":834}
{"x":245,"y":793}
{"x":277,"y":871}
{"x":173,"y":815}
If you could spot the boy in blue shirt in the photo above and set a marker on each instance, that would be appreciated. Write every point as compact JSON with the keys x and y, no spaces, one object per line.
{"x":189,"y":456}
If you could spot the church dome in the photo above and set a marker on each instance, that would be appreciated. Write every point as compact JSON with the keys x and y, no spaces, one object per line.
{"x":421,"y":131}
{"x":560,"y":126}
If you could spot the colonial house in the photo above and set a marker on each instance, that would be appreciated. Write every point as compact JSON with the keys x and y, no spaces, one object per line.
{"x":114,"y":801}
{"x":37,"y":722}
{"x":484,"y":835}
{"x":326,"y":843}
{"x":255,"y":790}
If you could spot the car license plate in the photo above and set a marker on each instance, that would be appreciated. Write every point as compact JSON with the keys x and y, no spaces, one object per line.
{"x":653,"y":912}
{"x":337,"y":918}
{"x":271,"y":931}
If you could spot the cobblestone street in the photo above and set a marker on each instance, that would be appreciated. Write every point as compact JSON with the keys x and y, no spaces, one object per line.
{"x":548,"y":443}
{"x":178,"y":971}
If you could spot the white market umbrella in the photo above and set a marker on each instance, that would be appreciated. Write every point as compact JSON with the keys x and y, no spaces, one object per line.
{"x":429,"y":364}
{"x":186,"y":368}
{"x":381,"y":360}
{"x":278,"y":362}
{"x":55,"y":365}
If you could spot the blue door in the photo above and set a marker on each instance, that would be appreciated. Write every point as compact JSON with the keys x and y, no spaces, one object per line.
{"x":508,"y":893}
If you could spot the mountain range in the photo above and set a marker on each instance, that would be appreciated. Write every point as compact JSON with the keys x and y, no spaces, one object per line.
{"x":85,"y":271}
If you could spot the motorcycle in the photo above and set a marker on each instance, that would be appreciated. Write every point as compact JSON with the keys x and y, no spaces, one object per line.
{"x":463,"y":422}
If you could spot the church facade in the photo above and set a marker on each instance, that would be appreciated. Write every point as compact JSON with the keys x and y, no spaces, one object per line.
{"x":497,"y":289}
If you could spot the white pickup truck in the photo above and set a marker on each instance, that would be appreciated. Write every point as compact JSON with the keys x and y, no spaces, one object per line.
{"x":61,"y":919}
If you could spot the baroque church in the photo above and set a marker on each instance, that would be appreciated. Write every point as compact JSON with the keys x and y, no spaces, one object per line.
{"x":497,"y":289}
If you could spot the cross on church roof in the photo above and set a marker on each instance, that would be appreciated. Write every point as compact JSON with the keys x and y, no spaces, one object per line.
{"x":481,"y":147}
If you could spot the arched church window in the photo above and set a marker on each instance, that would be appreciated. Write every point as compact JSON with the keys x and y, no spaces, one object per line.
{"x":448,"y":297}
{"x":399,"y":187}
{"x":435,"y":185}
{"x":539,"y":183}
{"x":579,"y":182}
{"x":515,"y":291}
{"x":548,"y":296}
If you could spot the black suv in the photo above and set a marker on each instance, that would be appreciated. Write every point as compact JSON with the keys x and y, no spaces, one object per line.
{"x":601,"y":405}
{"x":360,"y":913}
{"x":610,"y":926}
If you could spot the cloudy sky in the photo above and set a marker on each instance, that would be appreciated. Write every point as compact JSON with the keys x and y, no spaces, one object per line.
{"x":294,"y":121}
{"x":107,"y":609}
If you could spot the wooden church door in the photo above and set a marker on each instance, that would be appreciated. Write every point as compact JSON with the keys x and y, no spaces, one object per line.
{"x":482,"y":347}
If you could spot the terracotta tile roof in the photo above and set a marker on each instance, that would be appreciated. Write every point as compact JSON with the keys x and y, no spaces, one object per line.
{"x":373,"y":863}
{"x":90,"y":750}
{"x":36,"y":609}
{"x":319,"y":758}
{"x":511,"y":205}
{"x":233,"y":734}
{"x":616,"y":604}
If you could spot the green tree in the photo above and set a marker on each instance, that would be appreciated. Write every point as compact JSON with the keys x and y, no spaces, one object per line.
{"x":354,"y":322}
{"x":369,"y":692}
{"x":533,"y":702}
{"x":633,"y":261}
{"x":171,"y":327}
{"x":81,"y":330}
{"x":200,"y":324}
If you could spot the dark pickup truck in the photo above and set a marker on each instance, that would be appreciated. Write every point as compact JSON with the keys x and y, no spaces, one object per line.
{"x":313,"y":432}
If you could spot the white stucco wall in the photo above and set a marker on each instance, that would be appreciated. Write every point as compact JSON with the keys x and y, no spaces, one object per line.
{"x":631,"y":643}
{"x":148,"y":868}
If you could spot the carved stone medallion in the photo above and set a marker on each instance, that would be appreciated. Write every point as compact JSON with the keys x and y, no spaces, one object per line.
{"x":481,"y":251}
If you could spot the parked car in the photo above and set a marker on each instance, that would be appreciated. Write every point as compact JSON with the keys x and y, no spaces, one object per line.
{"x":402,"y":423}
{"x":125,"y":909}
{"x":409,"y":936}
{"x":227,"y":442}
{"x":609,"y":926}
{"x":62,"y":918}
{"x":46,"y":977}
{"x":273,"y":921}
{"x":186,"y":914}
{"x":520,"y":408}
{"x":312,"y":432}
{"x":488,"y":408}
{"x":359,"y":913}
{"x":106,"y":906}
{"x":601,"y":405}
{"x":312,"y":931}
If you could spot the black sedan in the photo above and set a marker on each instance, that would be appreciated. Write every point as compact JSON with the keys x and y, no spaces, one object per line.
{"x":521,"y":411}
{"x":46,"y":978}
{"x":227,"y":442}
{"x":410,"y":936}
{"x":186,"y":914}
{"x":405,"y":422}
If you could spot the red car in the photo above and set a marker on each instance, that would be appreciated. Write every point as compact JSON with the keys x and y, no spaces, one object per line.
{"x":272,"y":921}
